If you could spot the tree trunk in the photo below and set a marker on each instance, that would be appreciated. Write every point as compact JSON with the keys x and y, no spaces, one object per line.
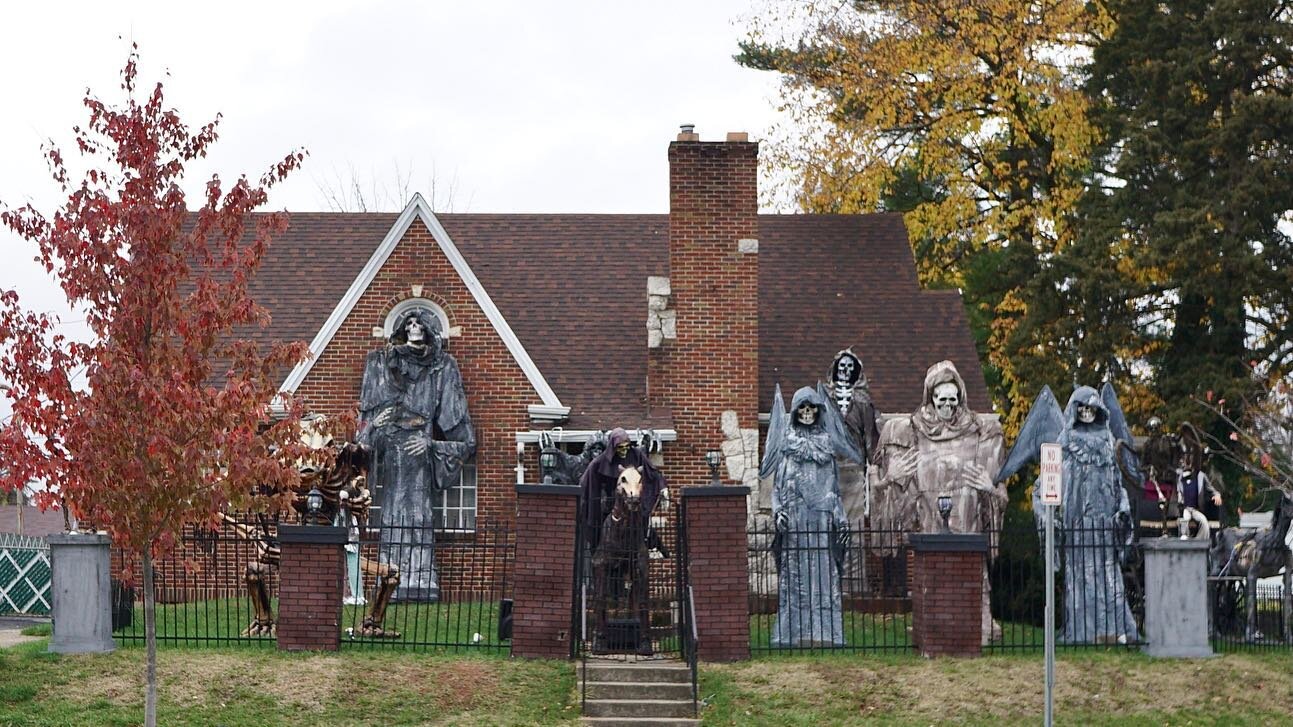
{"x":150,"y":632}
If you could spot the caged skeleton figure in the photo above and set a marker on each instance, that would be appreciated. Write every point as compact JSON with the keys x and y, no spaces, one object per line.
{"x":344,"y":488}
{"x":620,"y":563}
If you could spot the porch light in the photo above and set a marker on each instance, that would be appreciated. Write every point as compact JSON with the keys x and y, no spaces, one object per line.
{"x":547,"y":463}
{"x":314,"y":503}
{"x":713,"y":458}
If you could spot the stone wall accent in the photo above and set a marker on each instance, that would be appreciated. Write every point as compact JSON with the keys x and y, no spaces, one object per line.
{"x":740,"y":449}
{"x":544,"y":570}
{"x":717,"y":551}
{"x":311,"y":578}
{"x":947,"y":594}
{"x":714,"y":366}
{"x":661,"y":318}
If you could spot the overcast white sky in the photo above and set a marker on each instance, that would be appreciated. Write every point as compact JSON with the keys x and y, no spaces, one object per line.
{"x":516,"y":106}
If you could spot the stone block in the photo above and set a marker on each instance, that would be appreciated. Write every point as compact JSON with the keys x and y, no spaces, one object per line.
{"x":1176,"y":598}
{"x":658,"y":285}
{"x":750,"y":442}
{"x":81,"y":588}
{"x":657,"y":302}
{"x":747,"y":246}
{"x":653,"y":320}
{"x":734,"y":456}
{"x":669,"y":323}
{"x":730,"y":424}
{"x":654,"y":338}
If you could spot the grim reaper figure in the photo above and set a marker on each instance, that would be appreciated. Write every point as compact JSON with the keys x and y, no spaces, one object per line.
{"x":413,"y":416}
{"x":943,"y":449}
{"x":1095,"y":516}
{"x":812,"y":531}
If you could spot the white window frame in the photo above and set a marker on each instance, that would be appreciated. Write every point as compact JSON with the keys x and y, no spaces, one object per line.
{"x":458,"y":518}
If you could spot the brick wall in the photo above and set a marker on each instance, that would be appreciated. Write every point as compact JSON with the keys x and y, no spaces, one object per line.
{"x":719,"y":570}
{"x":545,"y":562}
{"x":947,"y":594}
{"x":310,"y":588}
{"x":713,"y":365}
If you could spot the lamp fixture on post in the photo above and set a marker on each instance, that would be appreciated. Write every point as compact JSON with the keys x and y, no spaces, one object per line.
{"x":945,"y":509}
{"x":314,"y":504}
{"x":713,"y":458}
{"x":547,"y":463}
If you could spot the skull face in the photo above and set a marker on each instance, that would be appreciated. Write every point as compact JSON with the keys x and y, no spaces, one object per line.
{"x":622,"y":449}
{"x":414,"y":331}
{"x":806,"y":414}
{"x":846,"y":370}
{"x":1085,"y":413}
{"x":1154,"y":424}
{"x":947,"y":399}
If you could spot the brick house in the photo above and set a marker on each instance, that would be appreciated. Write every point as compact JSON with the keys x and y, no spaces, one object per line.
{"x":553,"y":325}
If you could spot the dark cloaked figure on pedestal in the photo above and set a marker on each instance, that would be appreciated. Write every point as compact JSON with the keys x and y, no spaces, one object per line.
{"x":413,"y":416}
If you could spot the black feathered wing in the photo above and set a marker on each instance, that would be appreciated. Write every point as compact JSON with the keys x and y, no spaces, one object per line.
{"x":1044,"y":424}
{"x":833,"y":422}
{"x":778,"y":420}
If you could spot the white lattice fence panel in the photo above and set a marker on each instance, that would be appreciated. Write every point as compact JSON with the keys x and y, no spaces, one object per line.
{"x":24,"y":580}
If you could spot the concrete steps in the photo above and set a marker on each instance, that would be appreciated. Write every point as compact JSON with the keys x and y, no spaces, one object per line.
{"x":638,"y":694}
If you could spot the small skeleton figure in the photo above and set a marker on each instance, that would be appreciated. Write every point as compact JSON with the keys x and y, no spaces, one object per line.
{"x":852,"y":396}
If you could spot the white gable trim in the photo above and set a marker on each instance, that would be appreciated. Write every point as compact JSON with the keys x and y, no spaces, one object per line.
{"x":418,"y":209}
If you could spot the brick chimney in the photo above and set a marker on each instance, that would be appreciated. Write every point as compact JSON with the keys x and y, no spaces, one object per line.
{"x":713,"y":363}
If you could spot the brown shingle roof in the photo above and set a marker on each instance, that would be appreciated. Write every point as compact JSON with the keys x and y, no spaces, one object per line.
{"x":573,"y":288}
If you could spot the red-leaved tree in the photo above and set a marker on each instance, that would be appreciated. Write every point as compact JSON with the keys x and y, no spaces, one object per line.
{"x":171,"y":424}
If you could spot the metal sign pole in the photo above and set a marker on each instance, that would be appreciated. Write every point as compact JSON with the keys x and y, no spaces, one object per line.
{"x":1052,"y":482}
{"x":1050,"y":615}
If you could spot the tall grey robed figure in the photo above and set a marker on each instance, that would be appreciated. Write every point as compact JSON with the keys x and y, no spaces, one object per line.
{"x":812,"y":529}
{"x":1094,"y":528}
{"x":413,"y":416}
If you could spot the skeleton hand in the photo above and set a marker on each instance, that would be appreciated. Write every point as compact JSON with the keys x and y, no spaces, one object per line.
{"x":418,"y":445}
{"x":976,"y":477}
{"x":781,"y":521}
{"x":383,"y":417}
{"x":1216,"y":500}
{"x":905,"y":465}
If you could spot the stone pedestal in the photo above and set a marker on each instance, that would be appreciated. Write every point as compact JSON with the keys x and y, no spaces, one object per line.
{"x":543,"y":593}
{"x":81,"y":589}
{"x":718,"y":554}
{"x":947,"y":593}
{"x":310,"y":587}
{"x":1176,"y":598}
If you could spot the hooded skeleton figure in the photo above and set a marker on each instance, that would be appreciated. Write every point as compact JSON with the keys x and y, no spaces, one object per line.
{"x":812,"y":530}
{"x":1094,"y":525}
{"x":598,"y":482}
{"x":413,"y":417}
{"x":941,"y":449}
{"x":851,"y":393}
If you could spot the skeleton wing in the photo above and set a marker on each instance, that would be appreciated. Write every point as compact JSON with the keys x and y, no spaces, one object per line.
{"x":1044,"y":423}
{"x":778,"y":420}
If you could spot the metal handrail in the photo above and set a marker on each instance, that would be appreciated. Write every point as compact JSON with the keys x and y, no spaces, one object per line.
{"x":692,"y":650}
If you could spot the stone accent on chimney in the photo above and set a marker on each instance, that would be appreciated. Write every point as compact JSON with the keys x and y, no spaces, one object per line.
{"x":661,"y":319}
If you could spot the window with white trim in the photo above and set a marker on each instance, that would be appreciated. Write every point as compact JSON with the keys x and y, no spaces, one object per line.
{"x":410,"y":303}
{"x":455,"y":507}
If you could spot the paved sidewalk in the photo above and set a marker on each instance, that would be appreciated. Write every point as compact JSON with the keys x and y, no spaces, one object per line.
{"x":11,"y":629}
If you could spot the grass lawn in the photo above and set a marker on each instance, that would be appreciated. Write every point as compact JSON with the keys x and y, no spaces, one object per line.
{"x":240,"y":687}
{"x":1092,"y":688}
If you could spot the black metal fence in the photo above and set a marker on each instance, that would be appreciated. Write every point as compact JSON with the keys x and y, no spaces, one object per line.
{"x":206,"y":590}
{"x":848,"y":589}
{"x":1233,"y":628}
{"x":630,"y":595}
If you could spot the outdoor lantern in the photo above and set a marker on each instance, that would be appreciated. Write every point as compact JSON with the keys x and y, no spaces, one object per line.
{"x":547,"y":463}
{"x":314,"y":502}
{"x":945,"y":509}
{"x":713,"y":458}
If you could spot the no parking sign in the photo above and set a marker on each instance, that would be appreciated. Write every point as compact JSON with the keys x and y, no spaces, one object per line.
{"x":1052,"y":467}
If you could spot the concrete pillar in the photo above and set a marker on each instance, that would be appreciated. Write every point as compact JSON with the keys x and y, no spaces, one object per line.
{"x":718,"y":564}
{"x":947,"y":593}
{"x":1176,"y":597}
{"x":543,"y":593}
{"x":310,"y":587}
{"x":81,"y":589}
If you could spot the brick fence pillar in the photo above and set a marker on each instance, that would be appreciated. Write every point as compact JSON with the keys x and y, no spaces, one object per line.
{"x":545,"y":566}
{"x":947,"y":593}
{"x":311,"y":574}
{"x":718,"y":564}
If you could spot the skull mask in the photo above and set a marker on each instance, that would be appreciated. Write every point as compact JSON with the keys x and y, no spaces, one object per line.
{"x":947,"y":399}
{"x":1085,"y":413}
{"x":846,"y":371}
{"x":622,"y":449}
{"x":806,"y":414}
{"x":414,"y":331}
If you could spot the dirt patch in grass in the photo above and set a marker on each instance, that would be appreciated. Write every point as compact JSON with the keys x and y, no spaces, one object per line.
{"x":451,"y":685}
